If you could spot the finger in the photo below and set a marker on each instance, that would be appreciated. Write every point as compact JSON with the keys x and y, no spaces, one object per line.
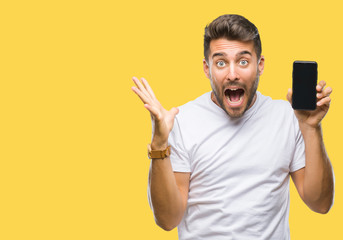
{"x":141,"y":87}
{"x":320,"y":86}
{"x":289,"y":95}
{"x":148,"y":88}
{"x":324,"y":101}
{"x":142,"y":96}
{"x":325,"y":93}
{"x":138,"y":83}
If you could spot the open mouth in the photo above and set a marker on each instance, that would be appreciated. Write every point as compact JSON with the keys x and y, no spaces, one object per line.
{"x":234,"y":95}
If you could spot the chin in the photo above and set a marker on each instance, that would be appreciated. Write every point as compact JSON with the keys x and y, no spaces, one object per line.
{"x":235,"y":114}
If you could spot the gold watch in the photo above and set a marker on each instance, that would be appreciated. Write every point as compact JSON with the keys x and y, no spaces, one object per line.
{"x":158,"y":154}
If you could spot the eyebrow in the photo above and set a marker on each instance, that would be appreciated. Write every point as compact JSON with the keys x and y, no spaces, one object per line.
{"x":243,"y":53}
{"x":224,"y":54}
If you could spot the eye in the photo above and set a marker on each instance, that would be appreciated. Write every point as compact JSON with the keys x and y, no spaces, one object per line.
{"x":221,"y":64}
{"x":243,"y":62}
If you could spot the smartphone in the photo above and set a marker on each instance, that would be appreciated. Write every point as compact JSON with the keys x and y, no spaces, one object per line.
{"x":304,"y":85}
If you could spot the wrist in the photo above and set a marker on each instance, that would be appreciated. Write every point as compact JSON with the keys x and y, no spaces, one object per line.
{"x":157,"y":144}
{"x":310,"y":131}
{"x":309,"y":127}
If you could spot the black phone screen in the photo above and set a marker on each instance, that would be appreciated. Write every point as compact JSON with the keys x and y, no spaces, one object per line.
{"x":304,"y":85}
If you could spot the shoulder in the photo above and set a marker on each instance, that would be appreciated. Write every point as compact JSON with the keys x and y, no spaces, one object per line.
{"x":187,"y":123}
{"x":198,"y":102}
{"x":195,"y":108}
{"x":275,"y":106}
{"x":197,"y":115}
{"x":275,"y":112}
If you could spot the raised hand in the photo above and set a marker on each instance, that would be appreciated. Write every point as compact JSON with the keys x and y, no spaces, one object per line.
{"x":163,"y":119}
{"x":313,"y":118}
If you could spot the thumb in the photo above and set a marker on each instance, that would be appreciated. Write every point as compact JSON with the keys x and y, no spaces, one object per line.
{"x":289,"y":95}
{"x":174,"y":111}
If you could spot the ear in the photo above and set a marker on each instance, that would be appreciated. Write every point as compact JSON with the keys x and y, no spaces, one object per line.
{"x":206,"y":68}
{"x":261,"y":65}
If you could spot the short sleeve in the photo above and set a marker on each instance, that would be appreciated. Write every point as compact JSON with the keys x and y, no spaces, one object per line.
{"x":179,"y":157}
{"x":298,"y":160}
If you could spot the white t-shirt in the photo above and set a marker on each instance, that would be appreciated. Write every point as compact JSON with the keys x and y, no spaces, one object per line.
{"x":239,"y":183}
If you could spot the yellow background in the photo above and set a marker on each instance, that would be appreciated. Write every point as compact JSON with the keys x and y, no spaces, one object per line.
{"x":73,"y":135}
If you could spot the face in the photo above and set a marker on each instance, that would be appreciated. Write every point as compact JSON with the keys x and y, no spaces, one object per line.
{"x":234,"y":70}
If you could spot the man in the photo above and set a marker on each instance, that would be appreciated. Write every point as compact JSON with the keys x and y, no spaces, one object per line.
{"x":233,"y":149}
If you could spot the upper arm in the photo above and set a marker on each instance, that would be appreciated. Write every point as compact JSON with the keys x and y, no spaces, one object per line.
{"x":298,"y":179}
{"x":182,"y":181}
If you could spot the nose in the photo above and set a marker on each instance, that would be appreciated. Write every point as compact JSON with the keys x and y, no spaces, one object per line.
{"x":232,"y":75}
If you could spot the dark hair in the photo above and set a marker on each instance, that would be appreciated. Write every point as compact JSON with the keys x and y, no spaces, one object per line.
{"x":232,"y":27}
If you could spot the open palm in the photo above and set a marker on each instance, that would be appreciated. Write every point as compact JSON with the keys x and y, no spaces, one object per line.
{"x":163,"y":119}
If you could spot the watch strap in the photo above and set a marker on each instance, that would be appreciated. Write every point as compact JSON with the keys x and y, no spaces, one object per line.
{"x":158,"y":154}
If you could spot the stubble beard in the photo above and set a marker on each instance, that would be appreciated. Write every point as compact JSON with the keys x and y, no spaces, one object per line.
{"x":220,"y":100}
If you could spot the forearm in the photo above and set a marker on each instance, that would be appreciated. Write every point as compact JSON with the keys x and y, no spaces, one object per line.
{"x":165,"y":197}
{"x":318,"y":178}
